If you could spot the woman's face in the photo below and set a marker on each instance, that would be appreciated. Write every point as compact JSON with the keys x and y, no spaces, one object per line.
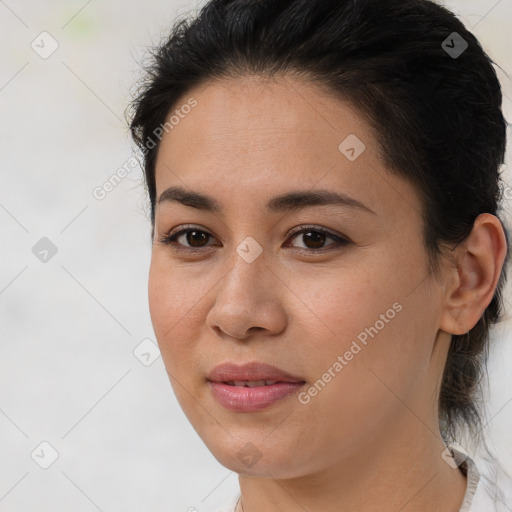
{"x":356,"y":322}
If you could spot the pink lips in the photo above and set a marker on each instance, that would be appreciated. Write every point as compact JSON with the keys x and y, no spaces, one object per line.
{"x":268,"y":384}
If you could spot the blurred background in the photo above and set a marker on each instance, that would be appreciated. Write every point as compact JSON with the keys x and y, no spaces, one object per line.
{"x":88,"y":420}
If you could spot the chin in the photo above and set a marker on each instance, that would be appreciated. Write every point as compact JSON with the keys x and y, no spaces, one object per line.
{"x":254,"y":458}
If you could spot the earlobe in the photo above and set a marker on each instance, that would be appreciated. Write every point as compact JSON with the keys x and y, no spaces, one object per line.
{"x":479,"y":261}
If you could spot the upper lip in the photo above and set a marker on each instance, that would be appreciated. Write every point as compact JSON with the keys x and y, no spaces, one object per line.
{"x":229,"y":372}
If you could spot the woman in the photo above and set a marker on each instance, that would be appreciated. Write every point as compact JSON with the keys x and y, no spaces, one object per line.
{"x":327,"y":254}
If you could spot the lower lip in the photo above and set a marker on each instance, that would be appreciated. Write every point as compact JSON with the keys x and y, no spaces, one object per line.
{"x":242,"y":399}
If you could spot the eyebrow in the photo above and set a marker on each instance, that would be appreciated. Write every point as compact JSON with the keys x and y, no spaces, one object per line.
{"x":295,"y":200}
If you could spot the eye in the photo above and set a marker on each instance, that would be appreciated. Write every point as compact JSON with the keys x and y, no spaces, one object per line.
{"x":315,"y":237}
{"x":196,"y":239}
{"x":189,"y":234}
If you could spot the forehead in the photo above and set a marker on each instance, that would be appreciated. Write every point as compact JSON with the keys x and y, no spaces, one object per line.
{"x":256,"y":137}
{"x":264,"y":109}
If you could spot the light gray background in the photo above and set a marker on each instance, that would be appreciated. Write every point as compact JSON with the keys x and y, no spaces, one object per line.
{"x":68,"y":375}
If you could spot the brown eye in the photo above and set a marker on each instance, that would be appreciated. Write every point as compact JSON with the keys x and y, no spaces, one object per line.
{"x":196,"y":238}
{"x":187,"y":239}
{"x":315,"y":238}
{"x":192,"y":239}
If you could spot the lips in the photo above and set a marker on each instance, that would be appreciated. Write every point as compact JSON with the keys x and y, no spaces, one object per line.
{"x":251,"y":387}
{"x":251,"y":375}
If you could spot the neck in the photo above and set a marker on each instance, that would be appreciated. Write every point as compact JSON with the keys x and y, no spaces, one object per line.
{"x":387,"y":474}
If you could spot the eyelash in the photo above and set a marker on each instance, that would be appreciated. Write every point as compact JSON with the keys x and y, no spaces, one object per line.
{"x":170,"y":240}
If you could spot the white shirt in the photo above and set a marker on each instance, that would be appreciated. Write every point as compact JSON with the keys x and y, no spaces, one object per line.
{"x":488,"y":488}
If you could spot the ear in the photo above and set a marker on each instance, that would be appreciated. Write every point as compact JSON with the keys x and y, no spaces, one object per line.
{"x":472,"y":282}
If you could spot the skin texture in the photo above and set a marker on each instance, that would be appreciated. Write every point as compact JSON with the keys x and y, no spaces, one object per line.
{"x":370,"y":439}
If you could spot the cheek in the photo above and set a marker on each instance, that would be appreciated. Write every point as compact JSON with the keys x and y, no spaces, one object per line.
{"x":162,"y":299}
{"x":340,"y":306}
{"x":369,"y":318}
{"x":175,"y":307}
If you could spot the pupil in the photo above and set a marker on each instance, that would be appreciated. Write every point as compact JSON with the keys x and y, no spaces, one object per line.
{"x":317,"y":238}
{"x":201,"y":234}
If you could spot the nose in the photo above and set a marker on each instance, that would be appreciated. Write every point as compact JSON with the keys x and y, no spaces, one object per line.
{"x":249,"y":299}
